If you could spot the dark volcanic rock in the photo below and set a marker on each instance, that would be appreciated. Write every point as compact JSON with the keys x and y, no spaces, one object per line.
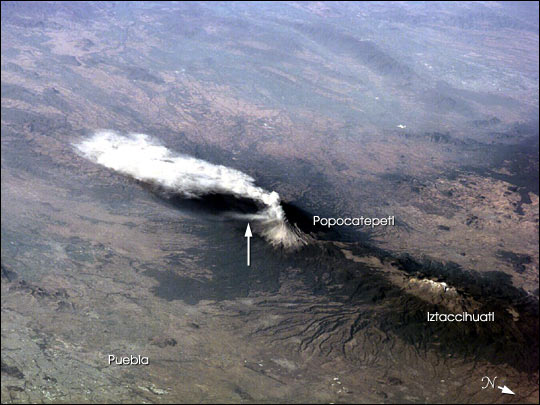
{"x":7,"y":274}
{"x":11,"y":371}
{"x":162,"y":341}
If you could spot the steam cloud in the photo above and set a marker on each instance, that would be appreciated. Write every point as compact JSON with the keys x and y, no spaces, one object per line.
{"x":143,"y":158}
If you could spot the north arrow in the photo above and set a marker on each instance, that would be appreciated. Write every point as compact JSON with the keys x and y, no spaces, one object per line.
{"x":248,"y":235}
{"x":505,"y":390}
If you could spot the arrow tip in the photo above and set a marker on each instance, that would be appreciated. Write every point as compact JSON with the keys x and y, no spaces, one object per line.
{"x":506,"y":390}
{"x":248,"y":233}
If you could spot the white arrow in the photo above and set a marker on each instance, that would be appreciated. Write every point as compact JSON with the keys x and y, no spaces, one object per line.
{"x":505,"y":390}
{"x":248,"y":235}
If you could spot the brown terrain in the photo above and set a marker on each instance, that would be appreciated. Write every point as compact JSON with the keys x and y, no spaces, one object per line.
{"x":430,"y":115}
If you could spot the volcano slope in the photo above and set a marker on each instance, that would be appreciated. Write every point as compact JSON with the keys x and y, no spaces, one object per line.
{"x":163,"y":275}
{"x":342,"y":109}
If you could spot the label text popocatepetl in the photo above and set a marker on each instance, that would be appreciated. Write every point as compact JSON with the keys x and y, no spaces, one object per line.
{"x":358,"y":221}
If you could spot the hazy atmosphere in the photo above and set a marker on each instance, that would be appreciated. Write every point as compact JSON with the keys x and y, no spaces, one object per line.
{"x":384,"y":154}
